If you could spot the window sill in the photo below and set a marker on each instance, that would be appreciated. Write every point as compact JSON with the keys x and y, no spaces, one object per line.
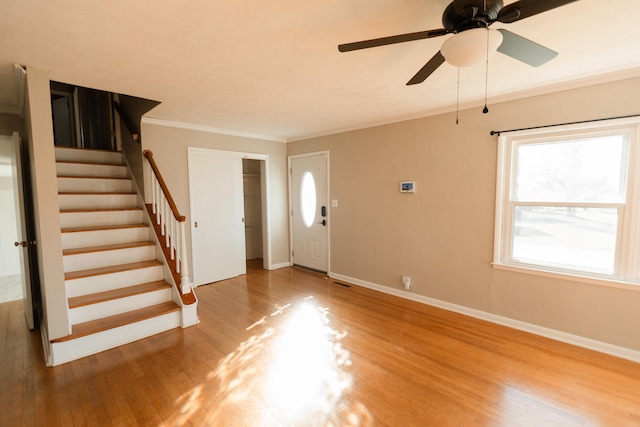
{"x":570,"y":277}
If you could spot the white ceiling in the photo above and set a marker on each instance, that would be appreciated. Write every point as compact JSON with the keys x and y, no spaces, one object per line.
{"x":272,"y":68}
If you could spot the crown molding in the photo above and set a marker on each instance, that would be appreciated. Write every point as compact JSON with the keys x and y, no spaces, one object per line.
{"x":209,"y":129}
{"x":577,"y":83}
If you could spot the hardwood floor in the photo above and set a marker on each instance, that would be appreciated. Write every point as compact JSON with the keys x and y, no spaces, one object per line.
{"x":292,"y":348}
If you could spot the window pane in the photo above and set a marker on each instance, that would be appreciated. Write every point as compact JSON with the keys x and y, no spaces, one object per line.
{"x":587,"y":170}
{"x":566,"y":237}
{"x":308,"y":199}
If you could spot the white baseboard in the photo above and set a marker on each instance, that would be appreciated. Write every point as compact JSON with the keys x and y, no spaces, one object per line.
{"x":280,"y":265}
{"x":602,"y":347}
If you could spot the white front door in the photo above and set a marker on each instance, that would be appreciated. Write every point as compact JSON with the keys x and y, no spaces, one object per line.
{"x":10,"y":158}
{"x":309,"y":211}
{"x":217,"y":215}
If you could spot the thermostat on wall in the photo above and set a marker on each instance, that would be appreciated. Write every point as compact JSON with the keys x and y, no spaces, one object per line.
{"x":408,"y":187}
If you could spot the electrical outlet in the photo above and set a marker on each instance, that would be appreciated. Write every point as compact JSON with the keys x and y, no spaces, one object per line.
{"x":406,"y":282}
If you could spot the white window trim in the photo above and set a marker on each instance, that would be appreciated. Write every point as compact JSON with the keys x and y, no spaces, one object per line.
{"x":628,"y":232}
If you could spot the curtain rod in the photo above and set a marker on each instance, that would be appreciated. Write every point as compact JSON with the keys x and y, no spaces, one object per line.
{"x":498,"y":132}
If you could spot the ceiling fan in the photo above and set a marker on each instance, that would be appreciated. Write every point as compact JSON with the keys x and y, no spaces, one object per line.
{"x":469,"y":21}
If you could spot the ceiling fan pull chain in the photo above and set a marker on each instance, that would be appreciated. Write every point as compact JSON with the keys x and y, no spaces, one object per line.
{"x":485,"y":110}
{"x":458,"y":96}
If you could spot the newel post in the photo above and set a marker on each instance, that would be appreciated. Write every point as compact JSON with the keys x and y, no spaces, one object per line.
{"x":185,"y":283}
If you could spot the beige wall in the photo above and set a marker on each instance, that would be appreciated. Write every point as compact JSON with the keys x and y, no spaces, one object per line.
{"x":45,"y":198}
{"x":10,"y":123}
{"x":169,"y":147}
{"x":442,"y":236}
{"x":133,"y":108}
{"x":133,"y":153}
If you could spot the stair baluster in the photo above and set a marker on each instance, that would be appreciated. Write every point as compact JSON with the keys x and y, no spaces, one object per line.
{"x":171,"y":224}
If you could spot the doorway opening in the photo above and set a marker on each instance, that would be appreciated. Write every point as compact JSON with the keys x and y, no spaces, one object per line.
{"x":228,"y":211}
{"x":10,"y":277}
{"x":82,"y":117}
{"x":18,"y":254}
{"x":252,"y":189}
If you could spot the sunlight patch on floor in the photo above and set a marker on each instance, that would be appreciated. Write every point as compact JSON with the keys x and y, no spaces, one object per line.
{"x":517,"y":404}
{"x":293,"y":371}
{"x":306,"y":372}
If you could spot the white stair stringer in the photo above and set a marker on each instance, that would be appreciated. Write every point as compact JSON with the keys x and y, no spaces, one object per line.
{"x":116,"y":286}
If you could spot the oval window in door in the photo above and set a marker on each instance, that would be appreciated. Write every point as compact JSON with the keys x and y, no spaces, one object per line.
{"x":308,"y":199}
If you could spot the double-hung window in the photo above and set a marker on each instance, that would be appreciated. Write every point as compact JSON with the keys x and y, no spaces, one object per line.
{"x":568,"y":201}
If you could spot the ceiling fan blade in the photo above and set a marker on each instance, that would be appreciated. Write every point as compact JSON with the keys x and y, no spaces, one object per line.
{"x":526,"y":8}
{"x":428,"y":68}
{"x":525,"y":50}
{"x":383,"y":41}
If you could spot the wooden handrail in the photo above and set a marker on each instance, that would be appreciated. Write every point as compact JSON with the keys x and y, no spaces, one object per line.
{"x":174,"y":209}
{"x":172,"y":229}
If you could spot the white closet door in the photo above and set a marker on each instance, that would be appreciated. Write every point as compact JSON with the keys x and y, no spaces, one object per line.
{"x":217,"y":216}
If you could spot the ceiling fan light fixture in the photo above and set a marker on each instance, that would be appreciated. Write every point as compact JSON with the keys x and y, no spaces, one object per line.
{"x":471,"y":47}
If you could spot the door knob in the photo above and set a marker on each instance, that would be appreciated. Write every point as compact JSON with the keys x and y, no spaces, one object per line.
{"x":23,"y":244}
{"x":323,"y":222}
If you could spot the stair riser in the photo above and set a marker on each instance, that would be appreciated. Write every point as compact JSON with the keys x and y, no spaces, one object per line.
{"x":108,"y":258}
{"x":67,"y":351}
{"x":97,"y":201}
{"x":118,"y":306}
{"x":94,"y":185}
{"x":90,"y":156}
{"x":89,"y":219}
{"x":86,"y":239}
{"x":81,"y":169}
{"x":109,"y":282}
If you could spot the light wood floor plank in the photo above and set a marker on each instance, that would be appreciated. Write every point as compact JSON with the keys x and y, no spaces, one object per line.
{"x":263,"y":337}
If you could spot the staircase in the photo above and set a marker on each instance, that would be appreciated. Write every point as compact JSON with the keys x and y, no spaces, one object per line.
{"x":114,"y":280}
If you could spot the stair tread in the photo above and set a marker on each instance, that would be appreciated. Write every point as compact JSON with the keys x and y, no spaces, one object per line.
{"x":93,"y":177}
{"x":87,"y":193}
{"x":117,"y":293}
{"x":84,"y":210}
{"x":70,"y":275}
{"x":97,"y":150}
{"x":79,"y":162}
{"x":102,"y":227}
{"x":103,"y":248}
{"x":111,"y":322}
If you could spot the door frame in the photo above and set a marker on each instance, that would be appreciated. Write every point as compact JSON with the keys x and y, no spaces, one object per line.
{"x":22,"y":227}
{"x":289,"y":174}
{"x":266,"y":200}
